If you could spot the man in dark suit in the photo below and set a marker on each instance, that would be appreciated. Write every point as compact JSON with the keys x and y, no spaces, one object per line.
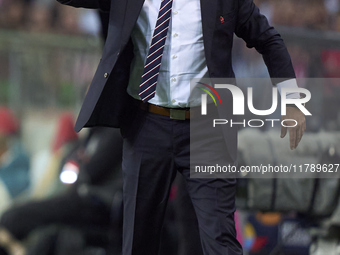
{"x":195,"y":43}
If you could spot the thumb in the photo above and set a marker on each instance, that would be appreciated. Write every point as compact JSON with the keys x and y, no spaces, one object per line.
{"x":283,"y":131}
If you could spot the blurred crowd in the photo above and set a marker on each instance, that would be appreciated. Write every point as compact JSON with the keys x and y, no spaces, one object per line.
{"x":313,"y":14}
{"x":49,"y":16}
{"x":65,"y":192}
{"x":46,"y":16}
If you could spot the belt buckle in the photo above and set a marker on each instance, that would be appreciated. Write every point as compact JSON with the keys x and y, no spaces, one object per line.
{"x":177,"y":114}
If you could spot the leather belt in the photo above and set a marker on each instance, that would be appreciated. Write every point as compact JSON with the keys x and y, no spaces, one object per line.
{"x":172,"y":113}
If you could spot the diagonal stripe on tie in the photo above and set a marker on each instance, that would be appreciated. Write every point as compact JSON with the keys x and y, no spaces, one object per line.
{"x":148,"y":84}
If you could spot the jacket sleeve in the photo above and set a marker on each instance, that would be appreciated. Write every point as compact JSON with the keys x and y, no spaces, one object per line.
{"x":255,"y":30}
{"x":103,"y":5}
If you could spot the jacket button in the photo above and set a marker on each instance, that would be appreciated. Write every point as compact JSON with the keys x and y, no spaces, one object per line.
{"x":106,"y":75}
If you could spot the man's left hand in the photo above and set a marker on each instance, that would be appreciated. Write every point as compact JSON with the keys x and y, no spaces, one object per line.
{"x":295,"y":133}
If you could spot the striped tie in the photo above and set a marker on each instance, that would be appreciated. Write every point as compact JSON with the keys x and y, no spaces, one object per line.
{"x":147,"y":88}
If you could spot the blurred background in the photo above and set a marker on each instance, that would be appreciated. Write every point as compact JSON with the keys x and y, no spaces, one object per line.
{"x":50,"y":185}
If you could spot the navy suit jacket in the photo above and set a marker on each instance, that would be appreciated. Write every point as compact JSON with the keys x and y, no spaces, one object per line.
{"x":107,"y":103}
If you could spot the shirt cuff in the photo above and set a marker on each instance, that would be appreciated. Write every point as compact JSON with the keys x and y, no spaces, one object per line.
{"x":289,"y":84}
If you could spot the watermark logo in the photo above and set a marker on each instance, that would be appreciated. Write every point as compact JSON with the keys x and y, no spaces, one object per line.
{"x":239,"y":101}
{"x":204,"y":96}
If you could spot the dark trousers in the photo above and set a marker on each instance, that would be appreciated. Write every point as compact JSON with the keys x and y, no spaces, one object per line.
{"x":186,"y":220}
{"x":156,"y":147}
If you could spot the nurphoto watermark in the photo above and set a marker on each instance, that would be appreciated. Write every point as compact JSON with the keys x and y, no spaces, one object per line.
{"x":236,"y":125}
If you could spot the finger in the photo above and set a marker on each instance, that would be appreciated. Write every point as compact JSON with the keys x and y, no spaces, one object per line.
{"x":292,"y":138}
{"x":299,"y":133}
{"x":301,"y":130}
{"x":283,"y":131}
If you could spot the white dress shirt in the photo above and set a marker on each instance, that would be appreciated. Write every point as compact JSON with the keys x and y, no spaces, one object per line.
{"x":183,"y":56}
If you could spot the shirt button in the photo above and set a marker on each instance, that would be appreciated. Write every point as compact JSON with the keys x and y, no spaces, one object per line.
{"x":175,"y":34}
{"x":106,"y":75}
{"x":173,"y":101}
{"x":174,"y":56}
{"x":175,"y":12}
{"x":173,"y":79}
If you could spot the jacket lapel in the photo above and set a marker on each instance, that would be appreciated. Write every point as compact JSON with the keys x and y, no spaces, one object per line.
{"x":133,"y":8}
{"x":208,"y":10}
